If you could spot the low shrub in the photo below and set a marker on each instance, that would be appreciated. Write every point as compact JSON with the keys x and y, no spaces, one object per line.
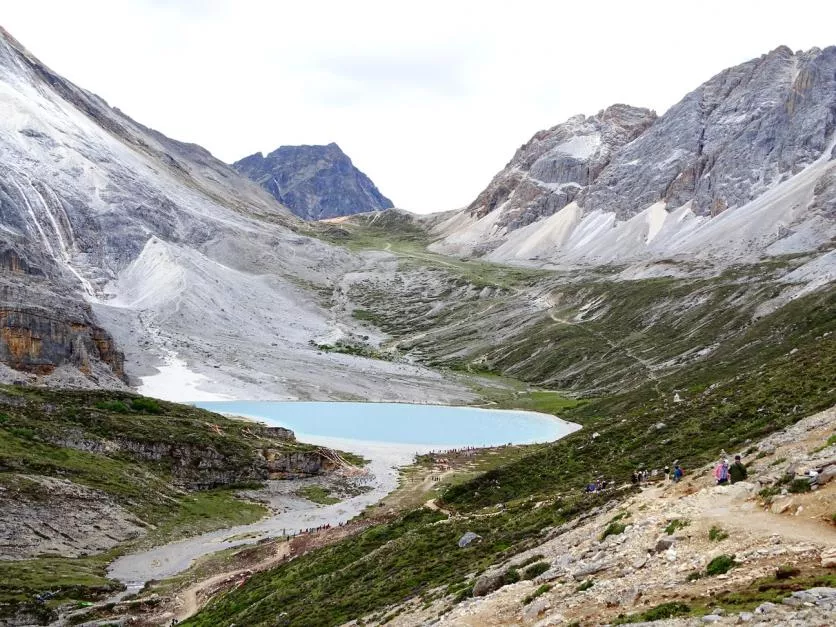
{"x":147,"y":405}
{"x":115,"y":406}
{"x":531,"y":560}
{"x":675,"y":525}
{"x":512,"y":575}
{"x":586,"y":585}
{"x":541,"y":590}
{"x":716,"y":534}
{"x":797,"y":486}
{"x":535,"y":569}
{"x":720,"y":565}
{"x":671,"y":609}
{"x":464,"y":594}
{"x":620,"y":516}
{"x":613,"y":529}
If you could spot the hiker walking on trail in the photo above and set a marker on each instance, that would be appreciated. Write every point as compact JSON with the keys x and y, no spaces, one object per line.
{"x":721,"y":472}
{"x":678,"y":473}
{"x":737,"y":471}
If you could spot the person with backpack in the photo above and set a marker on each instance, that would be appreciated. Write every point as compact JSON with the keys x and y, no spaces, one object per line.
{"x":721,"y":472}
{"x":678,"y":473}
{"x":737,"y":471}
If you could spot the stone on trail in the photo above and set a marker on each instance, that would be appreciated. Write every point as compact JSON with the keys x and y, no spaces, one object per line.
{"x":535,"y":608}
{"x":781,"y":505}
{"x":590,"y":569}
{"x":828,"y":558}
{"x":487,"y":584}
{"x":664,"y":543}
{"x":710,"y":618}
{"x":765,"y":608}
{"x":467,"y":538}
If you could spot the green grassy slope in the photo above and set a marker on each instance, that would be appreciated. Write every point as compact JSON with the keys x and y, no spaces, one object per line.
{"x":774,"y":371}
{"x":106,"y":441}
{"x":779,"y":370}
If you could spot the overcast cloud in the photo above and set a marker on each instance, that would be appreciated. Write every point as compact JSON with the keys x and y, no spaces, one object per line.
{"x":430,"y":99}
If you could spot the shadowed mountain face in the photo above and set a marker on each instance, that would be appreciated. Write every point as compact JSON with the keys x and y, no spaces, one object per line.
{"x":315,"y":182}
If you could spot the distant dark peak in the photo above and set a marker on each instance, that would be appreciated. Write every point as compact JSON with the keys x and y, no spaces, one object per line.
{"x":783,"y":51}
{"x":314,"y":181}
{"x":254,"y":158}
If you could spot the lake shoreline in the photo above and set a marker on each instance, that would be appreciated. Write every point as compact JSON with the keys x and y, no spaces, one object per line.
{"x":386,"y":459}
{"x":438,"y":426}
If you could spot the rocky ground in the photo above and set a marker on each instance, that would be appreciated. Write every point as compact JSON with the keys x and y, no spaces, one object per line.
{"x":55,"y":517}
{"x":661,"y":542}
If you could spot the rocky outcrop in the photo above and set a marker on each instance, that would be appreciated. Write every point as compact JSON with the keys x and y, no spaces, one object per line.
{"x":280,"y":433}
{"x":202,"y":467}
{"x":292,"y":464}
{"x":40,"y":330}
{"x":729,"y":140}
{"x":315,"y":182}
{"x":549,"y":171}
{"x":44,"y":516}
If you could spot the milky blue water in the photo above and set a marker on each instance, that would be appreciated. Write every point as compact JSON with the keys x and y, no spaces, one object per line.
{"x":426,"y":425}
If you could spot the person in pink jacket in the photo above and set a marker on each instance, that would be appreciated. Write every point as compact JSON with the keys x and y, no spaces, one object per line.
{"x":721,"y":472}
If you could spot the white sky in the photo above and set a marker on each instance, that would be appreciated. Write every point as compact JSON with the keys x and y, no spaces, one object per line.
{"x":429,"y":98}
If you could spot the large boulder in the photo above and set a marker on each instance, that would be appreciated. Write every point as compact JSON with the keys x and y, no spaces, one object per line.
{"x":468,"y":538}
{"x":488,"y":583}
{"x":664,"y":543}
{"x":826,"y":475}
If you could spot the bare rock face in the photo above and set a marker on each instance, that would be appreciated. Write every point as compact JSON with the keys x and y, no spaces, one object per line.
{"x":728,"y":140}
{"x":742,"y":167}
{"x":42,"y":327}
{"x":45,"y":516}
{"x":315,"y":182}
{"x":549,"y":171}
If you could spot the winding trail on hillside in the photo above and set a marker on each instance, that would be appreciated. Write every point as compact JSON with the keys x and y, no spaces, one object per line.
{"x":613,"y":345}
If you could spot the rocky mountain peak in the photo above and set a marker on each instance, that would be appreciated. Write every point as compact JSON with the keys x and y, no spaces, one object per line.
{"x":549,"y":170}
{"x":315,"y":182}
{"x":730,"y":139}
{"x":758,"y":136}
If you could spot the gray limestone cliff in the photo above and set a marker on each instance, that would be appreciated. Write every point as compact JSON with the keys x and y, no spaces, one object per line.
{"x":555,"y":165}
{"x":754,"y":145}
{"x":730,"y":139}
{"x":315,"y":182}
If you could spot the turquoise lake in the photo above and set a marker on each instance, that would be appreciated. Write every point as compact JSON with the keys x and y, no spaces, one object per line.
{"x":425,"y":425}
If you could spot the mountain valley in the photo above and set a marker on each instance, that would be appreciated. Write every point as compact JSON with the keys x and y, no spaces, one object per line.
{"x":664,"y":281}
